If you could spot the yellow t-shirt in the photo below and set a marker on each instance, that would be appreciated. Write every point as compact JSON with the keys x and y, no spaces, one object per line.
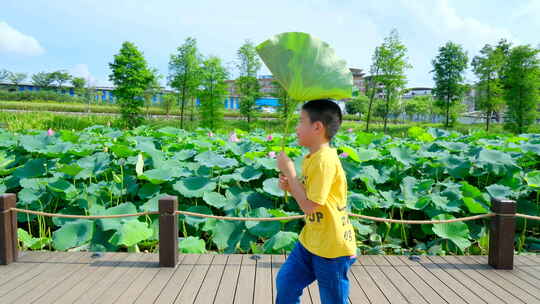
{"x":328,"y":231}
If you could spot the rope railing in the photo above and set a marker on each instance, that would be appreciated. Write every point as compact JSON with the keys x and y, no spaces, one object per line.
{"x":269,"y":219}
{"x":259,"y":219}
{"x":501,"y":231}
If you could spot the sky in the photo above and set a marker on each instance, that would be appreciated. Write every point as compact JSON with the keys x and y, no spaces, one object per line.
{"x":82,"y":36}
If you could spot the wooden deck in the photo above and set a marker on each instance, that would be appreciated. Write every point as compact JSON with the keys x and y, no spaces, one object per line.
{"x":76,"y":277}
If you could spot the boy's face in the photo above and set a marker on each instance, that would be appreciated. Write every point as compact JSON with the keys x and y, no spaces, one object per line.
{"x":308,"y":133}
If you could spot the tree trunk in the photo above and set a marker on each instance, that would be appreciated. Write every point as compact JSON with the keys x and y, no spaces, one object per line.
{"x":386,"y":112}
{"x":182,"y":107}
{"x":371,"y":97}
{"x":447,"y":111}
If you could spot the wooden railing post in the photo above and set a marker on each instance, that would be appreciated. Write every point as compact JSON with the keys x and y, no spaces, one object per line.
{"x":501,"y":234}
{"x":9,"y":251}
{"x":168,"y":231}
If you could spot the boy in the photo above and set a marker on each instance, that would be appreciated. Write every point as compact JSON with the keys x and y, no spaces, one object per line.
{"x":327,"y":245}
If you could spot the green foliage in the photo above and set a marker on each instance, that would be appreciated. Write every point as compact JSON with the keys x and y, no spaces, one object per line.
{"x":521,"y":80}
{"x":16,"y":78}
{"x":392,"y":65}
{"x":419,"y":105}
{"x":357,"y":105}
{"x":168,"y":103}
{"x":488,"y":67}
{"x":449,"y":67}
{"x":39,"y":96}
{"x":434,"y":174}
{"x":131,"y":77}
{"x":247,"y":84}
{"x":306,"y":67}
{"x":43,"y":80}
{"x":184,"y":73}
{"x":60,"y":77}
{"x":212,"y":92}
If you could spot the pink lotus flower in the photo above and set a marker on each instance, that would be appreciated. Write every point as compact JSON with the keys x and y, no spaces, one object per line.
{"x":349,"y":130}
{"x":233,"y":137}
{"x":272,"y":154}
{"x":344,"y":155}
{"x":269,"y":137}
{"x":50,"y":132}
{"x":210,"y":134}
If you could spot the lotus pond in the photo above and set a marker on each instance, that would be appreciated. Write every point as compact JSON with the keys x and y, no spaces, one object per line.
{"x":431,"y":174}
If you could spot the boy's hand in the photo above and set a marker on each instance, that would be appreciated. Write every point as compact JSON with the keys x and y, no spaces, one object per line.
{"x":286,"y":166}
{"x":284,"y":183}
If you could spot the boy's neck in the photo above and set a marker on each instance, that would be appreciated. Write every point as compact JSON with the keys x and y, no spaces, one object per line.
{"x":316,"y":147}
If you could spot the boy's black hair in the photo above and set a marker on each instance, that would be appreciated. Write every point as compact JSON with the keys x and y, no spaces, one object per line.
{"x":327,"y":112}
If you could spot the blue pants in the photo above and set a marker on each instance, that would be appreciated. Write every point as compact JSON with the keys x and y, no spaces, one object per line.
{"x":302,"y":267}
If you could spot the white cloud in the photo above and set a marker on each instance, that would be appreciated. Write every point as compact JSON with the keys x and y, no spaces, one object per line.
{"x":13,"y":41}
{"x":443,"y":20}
{"x":82,"y":70}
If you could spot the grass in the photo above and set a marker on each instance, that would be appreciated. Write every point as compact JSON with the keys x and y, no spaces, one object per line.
{"x":14,"y":122}
{"x":54,"y":106}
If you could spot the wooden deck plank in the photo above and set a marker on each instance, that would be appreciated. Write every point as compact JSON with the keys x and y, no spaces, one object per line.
{"x":277,"y":261}
{"x":459,"y":289}
{"x":314,"y":294}
{"x":356,"y":293}
{"x":246,"y":279}
{"x":75,"y":277}
{"x":6,"y":270}
{"x":263,"y":280}
{"x":34,"y":270}
{"x":433,"y":281}
{"x":116,"y":289}
{"x":211,"y":282}
{"x":32,"y":289}
{"x":105,"y":266}
{"x":189,"y":292}
{"x":487,"y":271}
{"x":116,"y":274}
{"x":407,"y":290}
{"x":526,"y":266}
{"x":60,"y":289}
{"x":158,"y":282}
{"x":17,"y":268}
{"x":474,"y":281}
{"x":429,"y":294}
{"x":366,"y":283}
{"x":520,"y":268}
{"x":516,"y":276}
{"x":386,"y":286}
{"x":229,"y":282}
{"x":171,"y":290}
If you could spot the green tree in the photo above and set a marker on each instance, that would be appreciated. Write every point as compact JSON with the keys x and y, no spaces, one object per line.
{"x":449,"y":67}
{"x":487,"y":66}
{"x":184,"y":73}
{"x":42,"y":80}
{"x":373,"y":84}
{"x":60,"y":77}
{"x":168,"y":102}
{"x":16,"y":78}
{"x":212,"y":92}
{"x":131,"y":77}
{"x":153,"y":89}
{"x":247,"y":84}
{"x":521,"y":82}
{"x":4,"y":75}
{"x":285,"y":103}
{"x":357,"y":105}
{"x":418,"y":105}
{"x":392,"y":63}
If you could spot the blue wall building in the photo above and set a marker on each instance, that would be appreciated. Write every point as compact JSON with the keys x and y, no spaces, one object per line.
{"x":105,"y":95}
